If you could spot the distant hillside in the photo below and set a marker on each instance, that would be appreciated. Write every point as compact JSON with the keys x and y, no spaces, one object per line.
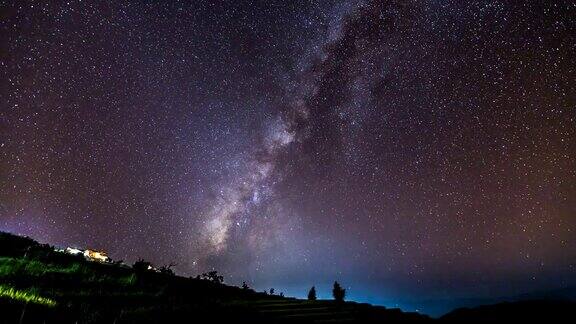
{"x":41,"y":285}
{"x":517,"y":312}
{"x":439,"y":307}
{"x":568,"y":293}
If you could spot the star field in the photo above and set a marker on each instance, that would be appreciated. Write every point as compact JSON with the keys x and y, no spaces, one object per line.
{"x":413,"y":150}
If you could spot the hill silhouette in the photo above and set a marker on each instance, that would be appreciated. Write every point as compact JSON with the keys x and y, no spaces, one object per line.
{"x":441,"y":306}
{"x":41,"y":285}
{"x":532,"y":311}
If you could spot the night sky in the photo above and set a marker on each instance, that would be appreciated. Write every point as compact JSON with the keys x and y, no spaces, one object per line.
{"x":412,"y":150}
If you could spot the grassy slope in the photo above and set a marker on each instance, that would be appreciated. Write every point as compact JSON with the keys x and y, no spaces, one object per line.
{"x":41,"y":285}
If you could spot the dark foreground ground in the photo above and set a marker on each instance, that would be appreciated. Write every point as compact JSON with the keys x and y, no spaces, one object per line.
{"x":38,"y":285}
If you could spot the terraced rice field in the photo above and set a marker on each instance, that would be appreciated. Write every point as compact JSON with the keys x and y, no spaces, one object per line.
{"x":302,"y":311}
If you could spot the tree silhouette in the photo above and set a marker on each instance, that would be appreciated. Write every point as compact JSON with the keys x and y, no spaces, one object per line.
{"x":338,"y":292}
{"x":167,"y":269}
{"x":212,"y":276}
{"x":312,"y":293}
{"x":245,"y":285}
{"x":141,"y":266}
{"x":271,"y":291}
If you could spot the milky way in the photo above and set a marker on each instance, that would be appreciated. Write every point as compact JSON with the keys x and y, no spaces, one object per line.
{"x":413,"y":150}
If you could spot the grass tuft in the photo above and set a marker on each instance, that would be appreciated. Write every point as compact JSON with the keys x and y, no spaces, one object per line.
{"x":25,"y":296}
